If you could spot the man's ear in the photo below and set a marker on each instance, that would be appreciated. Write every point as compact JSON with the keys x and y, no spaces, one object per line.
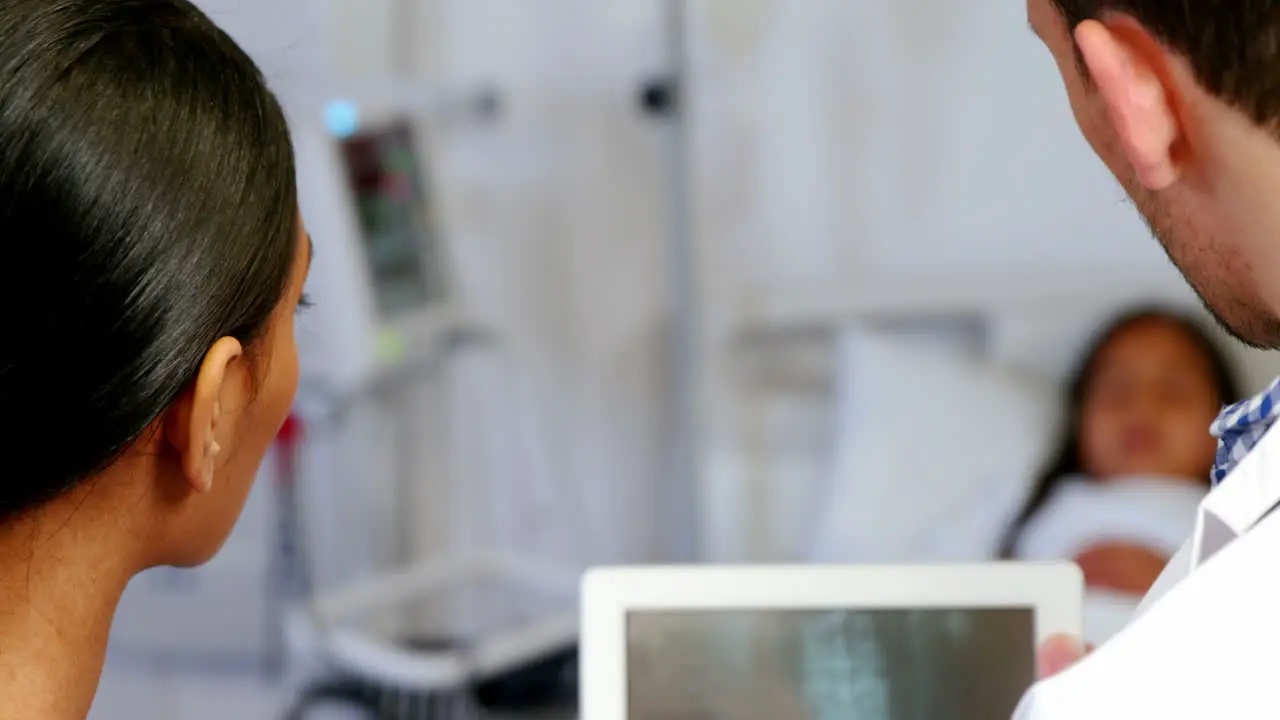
{"x":196,"y":426}
{"x":1126,"y":65}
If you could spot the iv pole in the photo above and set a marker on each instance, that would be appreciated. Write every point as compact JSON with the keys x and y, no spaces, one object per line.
{"x":681,"y":489}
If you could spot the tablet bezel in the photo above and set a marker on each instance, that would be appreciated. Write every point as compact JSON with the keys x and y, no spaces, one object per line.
{"x":1053,"y":591}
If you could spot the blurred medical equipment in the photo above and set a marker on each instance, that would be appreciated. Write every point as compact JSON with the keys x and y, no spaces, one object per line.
{"x":819,"y":642}
{"x":391,"y":588}
{"x":385,"y":315}
{"x":567,"y":215}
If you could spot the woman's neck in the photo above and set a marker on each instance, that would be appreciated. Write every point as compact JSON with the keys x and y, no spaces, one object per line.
{"x":61,"y":577}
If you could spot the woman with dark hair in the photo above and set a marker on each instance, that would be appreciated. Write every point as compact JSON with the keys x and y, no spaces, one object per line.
{"x":153,"y":259}
{"x":1136,"y":440}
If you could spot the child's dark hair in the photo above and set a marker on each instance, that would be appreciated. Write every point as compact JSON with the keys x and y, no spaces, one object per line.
{"x":1065,"y":461}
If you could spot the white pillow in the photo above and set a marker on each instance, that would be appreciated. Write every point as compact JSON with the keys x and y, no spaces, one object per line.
{"x":933,"y":453}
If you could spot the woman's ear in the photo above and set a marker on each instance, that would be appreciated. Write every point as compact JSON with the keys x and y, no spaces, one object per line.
{"x":197,"y":426}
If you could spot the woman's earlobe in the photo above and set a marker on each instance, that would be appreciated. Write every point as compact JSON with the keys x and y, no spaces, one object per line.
{"x":205,"y":420}
{"x":210,"y":463}
{"x":206,"y":479}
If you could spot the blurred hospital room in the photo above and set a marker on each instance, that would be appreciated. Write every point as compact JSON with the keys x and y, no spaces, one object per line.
{"x":636,"y":282}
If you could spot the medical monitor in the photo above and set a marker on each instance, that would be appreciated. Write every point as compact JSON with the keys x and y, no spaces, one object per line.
{"x":398,"y":231}
{"x":819,"y":643}
{"x":380,"y":278}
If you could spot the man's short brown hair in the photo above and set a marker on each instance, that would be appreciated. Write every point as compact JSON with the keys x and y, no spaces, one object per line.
{"x":1233,"y":45}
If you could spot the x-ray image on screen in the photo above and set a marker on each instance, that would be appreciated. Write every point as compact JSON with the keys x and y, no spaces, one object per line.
{"x":838,"y":665}
{"x":393,"y":206}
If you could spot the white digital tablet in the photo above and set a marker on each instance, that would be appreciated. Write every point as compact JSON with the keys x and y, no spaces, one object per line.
{"x":819,"y":642}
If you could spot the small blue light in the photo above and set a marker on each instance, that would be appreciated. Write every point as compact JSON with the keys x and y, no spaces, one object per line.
{"x":342,"y":118}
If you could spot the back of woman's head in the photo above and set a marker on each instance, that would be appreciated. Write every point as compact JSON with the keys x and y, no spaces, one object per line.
{"x":1069,"y":456}
{"x":147,"y":209}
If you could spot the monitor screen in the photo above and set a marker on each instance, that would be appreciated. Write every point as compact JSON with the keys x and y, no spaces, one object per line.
{"x":395,"y":217}
{"x":909,"y":664}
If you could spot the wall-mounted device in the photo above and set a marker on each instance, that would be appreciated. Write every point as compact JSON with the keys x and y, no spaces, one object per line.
{"x":380,"y":273}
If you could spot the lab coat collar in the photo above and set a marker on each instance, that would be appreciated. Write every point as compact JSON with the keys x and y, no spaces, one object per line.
{"x":1247,"y":495}
{"x":1182,"y":656}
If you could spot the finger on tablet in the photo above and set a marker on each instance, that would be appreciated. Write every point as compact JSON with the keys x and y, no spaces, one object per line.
{"x":1057,"y":654}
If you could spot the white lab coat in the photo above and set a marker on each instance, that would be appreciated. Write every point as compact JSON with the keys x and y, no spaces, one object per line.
{"x":1203,"y":643}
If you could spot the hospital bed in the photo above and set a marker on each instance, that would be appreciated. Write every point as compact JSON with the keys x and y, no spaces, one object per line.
{"x":901,"y":418}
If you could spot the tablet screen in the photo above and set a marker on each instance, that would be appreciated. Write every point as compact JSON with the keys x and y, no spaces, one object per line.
{"x":904,"y":664}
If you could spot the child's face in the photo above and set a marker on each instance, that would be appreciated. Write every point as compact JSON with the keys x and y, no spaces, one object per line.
{"x":1148,"y":408}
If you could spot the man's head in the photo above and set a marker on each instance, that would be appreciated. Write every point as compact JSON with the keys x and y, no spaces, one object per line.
{"x":1181,"y":100}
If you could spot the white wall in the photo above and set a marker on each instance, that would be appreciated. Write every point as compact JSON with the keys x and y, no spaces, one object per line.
{"x":881,"y":134}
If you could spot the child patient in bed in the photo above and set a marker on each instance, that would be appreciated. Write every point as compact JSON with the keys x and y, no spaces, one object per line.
{"x":1134,"y":461}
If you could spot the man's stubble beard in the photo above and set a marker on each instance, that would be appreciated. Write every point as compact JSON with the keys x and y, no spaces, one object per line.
{"x":1205,"y":267}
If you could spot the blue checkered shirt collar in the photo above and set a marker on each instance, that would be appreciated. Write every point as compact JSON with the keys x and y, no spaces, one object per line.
{"x":1241,"y":426}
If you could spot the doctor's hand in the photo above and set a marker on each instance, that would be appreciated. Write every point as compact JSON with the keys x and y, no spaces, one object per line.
{"x":1059,"y":653}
